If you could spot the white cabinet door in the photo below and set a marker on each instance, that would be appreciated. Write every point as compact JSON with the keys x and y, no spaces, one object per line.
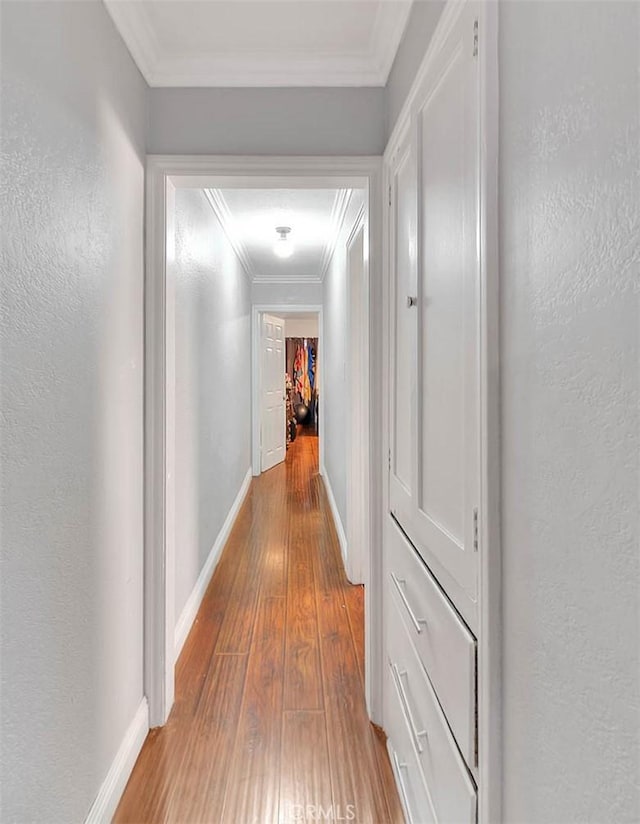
{"x":272,"y":396}
{"x":403,"y":330}
{"x":435,"y":425}
{"x":449,"y":324}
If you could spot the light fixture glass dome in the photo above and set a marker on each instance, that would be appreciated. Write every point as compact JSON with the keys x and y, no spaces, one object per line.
{"x":283,"y":248}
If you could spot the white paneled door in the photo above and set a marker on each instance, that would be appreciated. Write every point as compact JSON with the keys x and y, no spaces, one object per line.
{"x":449,"y":277}
{"x":273,"y":437}
{"x":435,"y":323}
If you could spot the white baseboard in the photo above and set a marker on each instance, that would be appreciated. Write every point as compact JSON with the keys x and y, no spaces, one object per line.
{"x":342,"y":537}
{"x":103,"y":808}
{"x":192,"y":606}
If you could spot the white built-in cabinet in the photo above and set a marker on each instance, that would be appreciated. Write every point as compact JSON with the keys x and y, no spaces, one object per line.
{"x":434,"y":485}
{"x":433,"y":535}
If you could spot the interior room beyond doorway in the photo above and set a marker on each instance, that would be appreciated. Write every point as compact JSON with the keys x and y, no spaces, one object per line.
{"x":302,"y":375}
{"x":289,"y":382}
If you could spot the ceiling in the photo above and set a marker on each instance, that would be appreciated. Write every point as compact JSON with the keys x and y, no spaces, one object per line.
{"x":250,"y":216}
{"x":262,"y":42}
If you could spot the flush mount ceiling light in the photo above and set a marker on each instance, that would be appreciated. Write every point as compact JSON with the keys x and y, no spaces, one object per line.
{"x":283,"y":248}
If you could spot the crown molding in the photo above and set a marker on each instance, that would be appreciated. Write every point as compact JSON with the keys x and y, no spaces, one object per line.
{"x":137,"y":33}
{"x":338,"y":215}
{"x":370,"y":67}
{"x":387,"y":34}
{"x":221,"y":210}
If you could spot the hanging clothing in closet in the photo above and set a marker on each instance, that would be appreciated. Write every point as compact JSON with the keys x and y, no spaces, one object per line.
{"x":301,"y":363}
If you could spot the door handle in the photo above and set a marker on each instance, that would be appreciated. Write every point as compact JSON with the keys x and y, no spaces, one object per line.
{"x":400,"y":582}
{"x":417,"y":734}
{"x":400,"y":766}
{"x":411,"y":301}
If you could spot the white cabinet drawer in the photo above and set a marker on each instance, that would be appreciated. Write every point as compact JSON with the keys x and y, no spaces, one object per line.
{"x":404,"y":760}
{"x":450,"y":788}
{"x":446,"y":647}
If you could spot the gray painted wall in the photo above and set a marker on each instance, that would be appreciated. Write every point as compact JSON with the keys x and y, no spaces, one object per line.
{"x":267,"y":121}
{"x":296,"y":121}
{"x":421,"y":24}
{"x":213,"y":384}
{"x":570,"y":268}
{"x":334,"y":366}
{"x":73,"y":145}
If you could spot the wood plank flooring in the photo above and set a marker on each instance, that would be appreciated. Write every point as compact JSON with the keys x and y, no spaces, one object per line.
{"x":269,"y":724}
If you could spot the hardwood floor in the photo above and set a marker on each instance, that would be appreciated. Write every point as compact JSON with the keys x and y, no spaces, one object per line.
{"x":269,"y":724}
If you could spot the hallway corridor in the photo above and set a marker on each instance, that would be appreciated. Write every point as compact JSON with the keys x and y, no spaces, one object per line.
{"x":269,"y":715}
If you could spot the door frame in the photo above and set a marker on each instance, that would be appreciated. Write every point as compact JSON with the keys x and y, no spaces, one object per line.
{"x":489,"y":667}
{"x":357,"y":419}
{"x":165,"y":173}
{"x":257,"y":310}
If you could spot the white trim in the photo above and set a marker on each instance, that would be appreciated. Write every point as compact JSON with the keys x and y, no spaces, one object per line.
{"x":490,"y":606}
{"x":138,"y":36}
{"x":164,"y":174}
{"x":490,"y":584}
{"x":357,"y":430}
{"x":374,"y":630}
{"x":110,"y":793}
{"x":387,"y":35}
{"x":337,"y":520}
{"x":159,"y":457}
{"x":190,"y":610}
{"x":299,"y":171}
{"x":278,"y":309}
{"x":369,"y":66}
{"x":297,"y":280}
{"x":358,"y":223}
{"x":264,"y":176}
{"x":338,"y":215}
{"x":225,"y":218}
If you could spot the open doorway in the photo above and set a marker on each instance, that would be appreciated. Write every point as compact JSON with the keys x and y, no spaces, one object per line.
{"x":354,"y":187}
{"x":287,"y":393}
{"x":302,"y":376}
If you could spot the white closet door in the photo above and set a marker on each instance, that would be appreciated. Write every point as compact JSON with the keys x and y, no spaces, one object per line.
{"x":447,"y":491}
{"x":273,"y":410}
{"x":403,"y":329}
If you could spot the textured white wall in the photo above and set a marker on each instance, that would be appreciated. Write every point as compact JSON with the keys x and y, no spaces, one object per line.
{"x":73,"y":144}
{"x":293,"y":121}
{"x":334,"y":366}
{"x":213,"y":384}
{"x":570,"y":248}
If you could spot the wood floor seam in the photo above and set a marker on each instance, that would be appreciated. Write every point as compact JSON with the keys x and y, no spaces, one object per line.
{"x":223,"y":654}
{"x":293,"y":712}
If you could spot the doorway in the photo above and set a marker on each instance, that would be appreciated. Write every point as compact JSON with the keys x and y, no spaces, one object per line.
{"x":302,"y":378}
{"x":165,"y":175}
{"x":286,"y":393}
